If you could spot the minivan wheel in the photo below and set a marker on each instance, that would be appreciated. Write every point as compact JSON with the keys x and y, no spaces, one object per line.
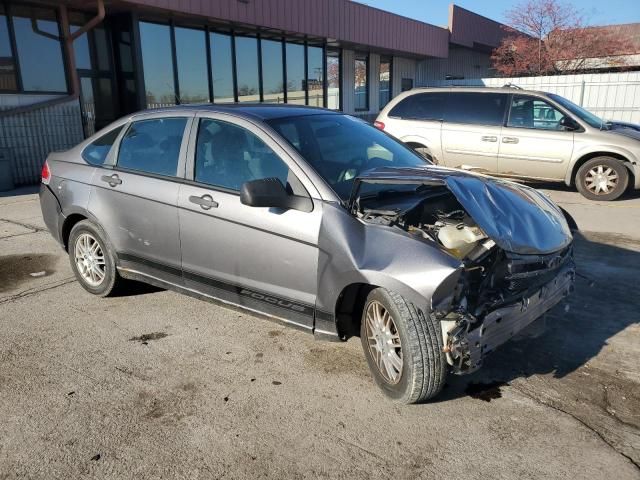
{"x":92,"y":260}
{"x":403,"y":348}
{"x":602,"y":178}
{"x":424,"y":151}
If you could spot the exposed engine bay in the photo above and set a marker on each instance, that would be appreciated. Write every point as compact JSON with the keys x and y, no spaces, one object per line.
{"x":497,"y":292}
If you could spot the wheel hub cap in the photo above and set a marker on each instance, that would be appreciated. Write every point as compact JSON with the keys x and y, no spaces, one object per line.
{"x":384,"y":342}
{"x":89,"y":259}
{"x":601,"y":180}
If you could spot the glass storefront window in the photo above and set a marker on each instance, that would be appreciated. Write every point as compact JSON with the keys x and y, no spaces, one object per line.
{"x":8,"y":81}
{"x":191,"y":53}
{"x":385,"y":81}
{"x":295,"y":74}
{"x":315,"y":76}
{"x":247,"y":69}
{"x":361,"y":92}
{"x":272,"y":76}
{"x":157,"y":64}
{"x":222,"y":67}
{"x":333,"y":79}
{"x":39,"y":49}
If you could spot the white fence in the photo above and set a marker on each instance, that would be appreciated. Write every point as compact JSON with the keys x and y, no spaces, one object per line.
{"x":612,"y":96}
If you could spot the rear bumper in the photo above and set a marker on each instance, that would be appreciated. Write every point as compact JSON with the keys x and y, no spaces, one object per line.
{"x":51,"y":212}
{"x":504,"y":323}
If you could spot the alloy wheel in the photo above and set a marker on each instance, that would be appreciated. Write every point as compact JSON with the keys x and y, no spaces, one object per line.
{"x":383,"y":340}
{"x":90,"y":259}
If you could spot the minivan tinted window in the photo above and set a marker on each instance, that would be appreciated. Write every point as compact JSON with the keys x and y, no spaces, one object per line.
{"x":475,"y":108}
{"x":422,"y":106}
{"x":153,"y":146}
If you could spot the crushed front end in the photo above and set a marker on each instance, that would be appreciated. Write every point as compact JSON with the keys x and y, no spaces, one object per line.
{"x":514,"y":247}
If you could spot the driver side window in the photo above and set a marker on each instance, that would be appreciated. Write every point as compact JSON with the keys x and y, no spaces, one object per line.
{"x":532,"y":112}
{"x":228,"y":155}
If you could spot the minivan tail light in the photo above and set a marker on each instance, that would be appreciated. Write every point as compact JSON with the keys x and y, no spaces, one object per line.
{"x":46,"y":173}
{"x":379,"y":125}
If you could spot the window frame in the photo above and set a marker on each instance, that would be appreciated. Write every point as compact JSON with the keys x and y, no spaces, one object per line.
{"x":111,"y":162}
{"x":387,"y":59}
{"x":8,"y":13}
{"x":542,"y":99}
{"x":259,"y":131}
{"x":122,"y":126}
{"x":336,"y":53}
{"x":359,"y":57}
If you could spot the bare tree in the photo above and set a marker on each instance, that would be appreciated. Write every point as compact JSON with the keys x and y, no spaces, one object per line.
{"x":550,"y":37}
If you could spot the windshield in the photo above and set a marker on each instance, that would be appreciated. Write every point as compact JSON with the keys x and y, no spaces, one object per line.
{"x":340,"y":147}
{"x":584,"y":115}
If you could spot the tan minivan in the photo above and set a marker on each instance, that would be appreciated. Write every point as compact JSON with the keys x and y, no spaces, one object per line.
{"x":517,"y":133}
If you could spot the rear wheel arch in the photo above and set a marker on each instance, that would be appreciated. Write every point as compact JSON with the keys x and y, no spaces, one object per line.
{"x":68,"y":225}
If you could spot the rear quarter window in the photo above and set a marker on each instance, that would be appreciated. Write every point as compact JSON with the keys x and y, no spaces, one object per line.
{"x":97,"y":151}
{"x":421,"y":106}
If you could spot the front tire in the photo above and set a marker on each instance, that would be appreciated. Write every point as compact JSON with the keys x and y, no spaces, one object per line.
{"x":92,"y":259}
{"x":403,"y":348}
{"x":602,"y":178}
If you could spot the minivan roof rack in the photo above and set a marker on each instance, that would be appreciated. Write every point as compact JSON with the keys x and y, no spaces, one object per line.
{"x":511,"y":85}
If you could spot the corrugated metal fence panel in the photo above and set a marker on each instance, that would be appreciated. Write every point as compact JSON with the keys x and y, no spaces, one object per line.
{"x":31,"y":136}
{"x":612,"y":96}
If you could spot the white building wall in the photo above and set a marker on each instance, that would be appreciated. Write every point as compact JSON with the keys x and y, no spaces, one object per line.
{"x":402,"y":68}
{"x":462,"y":62}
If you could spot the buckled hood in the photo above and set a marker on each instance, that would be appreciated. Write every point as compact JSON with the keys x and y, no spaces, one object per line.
{"x":518,"y":218}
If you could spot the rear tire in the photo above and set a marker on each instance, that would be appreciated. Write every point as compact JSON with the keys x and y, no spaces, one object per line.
{"x":411,"y":336}
{"x":92,"y":259}
{"x":602,"y":178}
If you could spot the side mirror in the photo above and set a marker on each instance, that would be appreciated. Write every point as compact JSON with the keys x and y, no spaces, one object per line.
{"x":269,"y":192}
{"x":568,"y":123}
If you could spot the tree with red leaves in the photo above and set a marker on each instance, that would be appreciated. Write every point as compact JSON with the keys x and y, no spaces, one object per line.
{"x":548,"y":37}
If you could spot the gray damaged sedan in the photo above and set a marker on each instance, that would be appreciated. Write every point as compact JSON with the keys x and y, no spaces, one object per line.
{"x":316,"y":219}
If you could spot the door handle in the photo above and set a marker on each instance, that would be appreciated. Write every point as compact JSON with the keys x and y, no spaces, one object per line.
{"x":489,"y":138}
{"x":510,"y":140}
{"x":205,"y":201}
{"x":112,"y":180}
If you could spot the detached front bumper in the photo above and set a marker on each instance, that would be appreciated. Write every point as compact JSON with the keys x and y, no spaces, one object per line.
{"x":471,"y":346}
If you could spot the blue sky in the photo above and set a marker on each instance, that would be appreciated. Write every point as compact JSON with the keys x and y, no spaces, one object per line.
{"x":597,"y":12}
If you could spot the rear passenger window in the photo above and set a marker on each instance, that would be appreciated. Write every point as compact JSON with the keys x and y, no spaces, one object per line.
{"x":228,"y":155}
{"x":153,"y":146}
{"x":422,"y":106}
{"x":96,"y":152}
{"x":475,"y":108}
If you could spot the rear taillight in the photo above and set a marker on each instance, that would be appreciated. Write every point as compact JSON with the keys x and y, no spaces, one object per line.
{"x":46,"y":173}
{"x":379,"y":125}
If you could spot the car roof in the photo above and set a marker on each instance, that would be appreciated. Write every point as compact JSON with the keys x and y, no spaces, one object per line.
{"x":476,"y":89}
{"x":259,"y":111}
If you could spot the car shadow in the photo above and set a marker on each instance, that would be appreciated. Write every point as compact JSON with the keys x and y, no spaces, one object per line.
{"x":602,"y":305}
{"x":132,"y":288}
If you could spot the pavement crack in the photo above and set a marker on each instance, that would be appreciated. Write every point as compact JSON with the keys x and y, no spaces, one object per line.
{"x":31,"y":292}
{"x":35,"y":228}
{"x":579,"y":420}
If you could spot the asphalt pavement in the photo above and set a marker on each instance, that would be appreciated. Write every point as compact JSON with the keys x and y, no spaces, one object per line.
{"x":153,"y":384}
